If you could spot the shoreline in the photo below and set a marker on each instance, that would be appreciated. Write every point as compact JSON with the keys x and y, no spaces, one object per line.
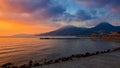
{"x":61,"y":60}
{"x":107,"y":60}
{"x":74,"y":37}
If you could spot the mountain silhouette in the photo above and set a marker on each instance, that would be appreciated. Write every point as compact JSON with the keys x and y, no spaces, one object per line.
{"x":65,"y":31}
{"x":103,"y":27}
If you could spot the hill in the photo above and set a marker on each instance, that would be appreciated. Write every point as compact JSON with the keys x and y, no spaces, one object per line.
{"x":103,"y":27}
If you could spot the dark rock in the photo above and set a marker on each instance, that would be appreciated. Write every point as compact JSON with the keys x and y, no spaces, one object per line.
{"x":37,"y":64}
{"x":23,"y":66}
{"x":6,"y":65}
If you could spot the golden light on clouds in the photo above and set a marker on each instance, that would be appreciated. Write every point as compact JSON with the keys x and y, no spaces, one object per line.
{"x":14,"y":22}
{"x":39,"y":16}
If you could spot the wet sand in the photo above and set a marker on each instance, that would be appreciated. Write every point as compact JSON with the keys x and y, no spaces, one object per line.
{"x":107,"y":60}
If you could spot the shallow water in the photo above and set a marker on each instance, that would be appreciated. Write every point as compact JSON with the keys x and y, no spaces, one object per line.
{"x":21,"y":50}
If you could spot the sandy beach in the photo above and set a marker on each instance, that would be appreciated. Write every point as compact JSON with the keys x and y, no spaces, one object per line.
{"x":107,"y":60}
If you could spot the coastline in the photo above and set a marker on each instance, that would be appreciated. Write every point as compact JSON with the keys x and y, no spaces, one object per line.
{"x":107,"y":60}
{"x":100,"y":59}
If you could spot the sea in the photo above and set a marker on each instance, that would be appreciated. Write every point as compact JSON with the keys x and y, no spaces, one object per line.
{"x":21,"y":50}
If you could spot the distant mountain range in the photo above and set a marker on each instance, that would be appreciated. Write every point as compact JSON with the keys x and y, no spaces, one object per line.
{"x":104,"y":27}
{"x":23,"y":35}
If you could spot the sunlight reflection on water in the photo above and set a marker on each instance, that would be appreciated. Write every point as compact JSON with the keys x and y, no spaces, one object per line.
{"x":21,"y":50}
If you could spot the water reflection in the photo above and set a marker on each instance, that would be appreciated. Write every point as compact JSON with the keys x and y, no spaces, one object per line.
{"x":21,"y":50}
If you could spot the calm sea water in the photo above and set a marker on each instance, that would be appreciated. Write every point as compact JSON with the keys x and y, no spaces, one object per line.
{"x":21,"y":50}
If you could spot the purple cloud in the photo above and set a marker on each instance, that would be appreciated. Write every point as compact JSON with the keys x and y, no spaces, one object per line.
{"x":27,"y":5}
{"x":113,"y":5}
{"x":61,"y":10}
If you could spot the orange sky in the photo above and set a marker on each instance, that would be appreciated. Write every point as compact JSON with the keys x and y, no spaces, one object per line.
{"x":14,"y":22}
{"x":17,"y":27}
{"x":39,"y":16}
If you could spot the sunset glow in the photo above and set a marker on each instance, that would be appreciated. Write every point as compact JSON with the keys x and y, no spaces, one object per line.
{"x":39,"y":16}
{"x":59,"y":33}
{"x":16,"y":27}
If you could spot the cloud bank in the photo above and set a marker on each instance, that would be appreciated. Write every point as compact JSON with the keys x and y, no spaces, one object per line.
{"x":56,"y":11}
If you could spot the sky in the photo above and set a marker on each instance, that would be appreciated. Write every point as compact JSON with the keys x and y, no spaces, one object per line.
{"x":39,"y":16}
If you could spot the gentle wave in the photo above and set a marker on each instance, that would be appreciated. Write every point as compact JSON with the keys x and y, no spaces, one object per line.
{"x":21,"y":50}
{"x":6,"y":52}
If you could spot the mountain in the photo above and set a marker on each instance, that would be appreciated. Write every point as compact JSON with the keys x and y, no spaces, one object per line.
{"x":23,"y":35}
{"x":103,"y":27}
{"x":65,"y":31}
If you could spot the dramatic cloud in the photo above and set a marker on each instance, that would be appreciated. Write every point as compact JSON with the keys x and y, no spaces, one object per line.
{"x":55,"y":11}
{"x":39,"y":9}
{"x":113,"y":5}
{"x":24,"y":5}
